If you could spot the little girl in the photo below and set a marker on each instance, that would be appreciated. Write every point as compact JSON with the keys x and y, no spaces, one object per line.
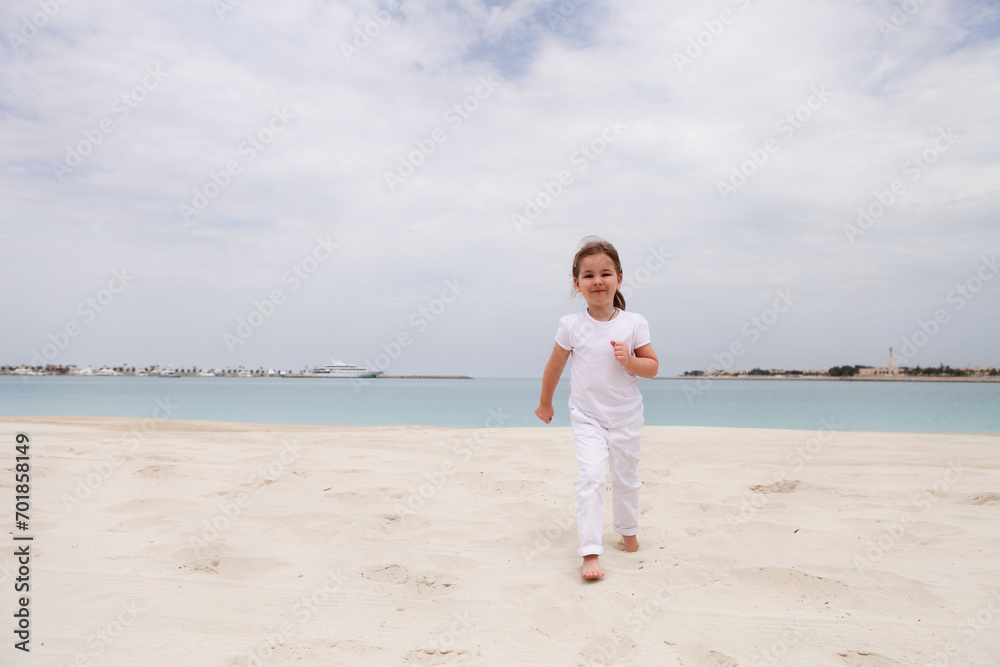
{"x":610,"y":348}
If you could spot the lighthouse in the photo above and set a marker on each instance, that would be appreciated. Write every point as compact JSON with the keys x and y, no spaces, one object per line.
{"x":892,"y":371}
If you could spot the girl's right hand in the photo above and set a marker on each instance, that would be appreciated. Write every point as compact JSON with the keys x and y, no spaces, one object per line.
{"x":545,"y":413}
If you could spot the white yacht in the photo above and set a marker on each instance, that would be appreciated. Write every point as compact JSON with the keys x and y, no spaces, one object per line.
{"x":339,"y":369}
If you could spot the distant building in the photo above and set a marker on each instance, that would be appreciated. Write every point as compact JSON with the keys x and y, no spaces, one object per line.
{"x":881,"y":370}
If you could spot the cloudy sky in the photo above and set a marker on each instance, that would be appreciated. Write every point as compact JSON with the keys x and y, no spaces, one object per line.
{"x":275,"y":184}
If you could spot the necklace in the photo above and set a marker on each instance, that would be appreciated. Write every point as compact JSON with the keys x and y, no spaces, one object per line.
{"x":613,"y":313}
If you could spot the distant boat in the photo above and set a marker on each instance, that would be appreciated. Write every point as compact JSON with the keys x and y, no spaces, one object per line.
{"x":205,"y":373}
{"x":106,"y":371}
{"x":338,"y":369}
{"x":169,"y":371}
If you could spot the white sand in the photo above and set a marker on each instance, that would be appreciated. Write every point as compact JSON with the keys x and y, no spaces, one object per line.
{"x":201,"y":543}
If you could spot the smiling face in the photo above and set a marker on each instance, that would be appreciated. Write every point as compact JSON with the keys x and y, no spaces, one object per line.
{"x":598,"y":281}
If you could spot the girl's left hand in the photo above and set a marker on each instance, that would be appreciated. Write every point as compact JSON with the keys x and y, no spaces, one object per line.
{"x":621,"y":354}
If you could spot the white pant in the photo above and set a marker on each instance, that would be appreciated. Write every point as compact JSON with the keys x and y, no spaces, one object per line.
{"x":596,"y":446}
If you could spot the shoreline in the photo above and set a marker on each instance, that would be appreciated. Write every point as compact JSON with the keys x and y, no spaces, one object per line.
{"x":171,"y":424}
{"x":690,"y":378}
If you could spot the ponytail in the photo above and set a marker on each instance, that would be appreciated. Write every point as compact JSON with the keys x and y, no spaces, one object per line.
{"x":619,"y":299}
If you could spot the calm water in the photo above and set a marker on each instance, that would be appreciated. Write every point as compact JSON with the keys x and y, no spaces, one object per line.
{"x":914,"y":407}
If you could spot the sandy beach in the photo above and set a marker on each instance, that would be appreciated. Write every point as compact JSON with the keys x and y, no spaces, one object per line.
{"x":203,"y":543}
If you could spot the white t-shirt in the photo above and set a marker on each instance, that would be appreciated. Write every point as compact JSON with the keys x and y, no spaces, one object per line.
{"x":599,"y":386}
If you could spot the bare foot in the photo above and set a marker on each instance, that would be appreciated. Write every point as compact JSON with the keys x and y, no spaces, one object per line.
{"x":591,"y":567}
{"x":630,"y":543}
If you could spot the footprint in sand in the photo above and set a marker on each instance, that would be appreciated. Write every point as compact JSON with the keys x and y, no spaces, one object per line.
{"x":238,"y":568}
{"x":209,"y":565}
{"x":510,"y":488}
{"x":155,"y":471}
{"x":389,"y":524}
{"x":705,"y":657}
{"x":423,"y":584}
{"x":983,"y":499}
{"x":865,"y":659}
{"x":784,"y":486}
{"x":443,"y":656}
{"x":364,"y":497}
{"x":597,"y":648}
{"x":783,"y":580}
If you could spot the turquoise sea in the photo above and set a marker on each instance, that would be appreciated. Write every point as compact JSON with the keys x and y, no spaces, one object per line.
{"x":908,"y":407}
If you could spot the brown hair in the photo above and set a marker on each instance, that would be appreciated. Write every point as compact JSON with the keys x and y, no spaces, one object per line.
{"x":594,"y":245}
